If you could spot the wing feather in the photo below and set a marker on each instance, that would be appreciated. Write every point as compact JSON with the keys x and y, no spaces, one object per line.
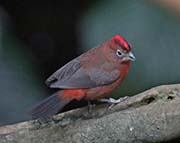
{"x":73,"y":75}
{"x":64,"y":72}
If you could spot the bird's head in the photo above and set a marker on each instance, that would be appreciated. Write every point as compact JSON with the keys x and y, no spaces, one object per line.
{"x":122,"y":49}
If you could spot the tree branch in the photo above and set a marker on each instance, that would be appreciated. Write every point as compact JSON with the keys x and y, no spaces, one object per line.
{"x":152,"y":116}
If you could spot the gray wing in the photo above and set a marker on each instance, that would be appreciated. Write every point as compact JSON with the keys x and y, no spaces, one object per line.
{"x":72,"y":75}
{"x":64,"y":72}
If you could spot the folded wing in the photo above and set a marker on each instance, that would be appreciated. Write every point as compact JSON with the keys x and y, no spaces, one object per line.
{"x":73,"y":75}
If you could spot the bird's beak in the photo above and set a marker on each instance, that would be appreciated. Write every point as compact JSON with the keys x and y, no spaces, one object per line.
{"x":131,"y":56}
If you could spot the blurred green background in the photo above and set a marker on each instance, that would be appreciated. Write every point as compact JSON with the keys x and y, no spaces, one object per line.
{"x":36,"y":38}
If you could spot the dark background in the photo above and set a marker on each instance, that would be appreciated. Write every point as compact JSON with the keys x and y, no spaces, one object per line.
{"x":38,"y":37}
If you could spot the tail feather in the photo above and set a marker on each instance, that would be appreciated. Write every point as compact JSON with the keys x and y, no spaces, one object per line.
{"x":48,"y":107}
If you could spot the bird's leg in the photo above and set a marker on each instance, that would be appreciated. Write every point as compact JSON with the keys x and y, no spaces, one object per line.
{"x":113,"y":101}
{"x":89,"y":113}
{"x":90,"y":106}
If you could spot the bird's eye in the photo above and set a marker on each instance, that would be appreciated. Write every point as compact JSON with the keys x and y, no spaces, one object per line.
{"x":119,"y":53}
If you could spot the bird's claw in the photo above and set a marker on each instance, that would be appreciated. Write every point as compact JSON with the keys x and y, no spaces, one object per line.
{"x":113,"y":101}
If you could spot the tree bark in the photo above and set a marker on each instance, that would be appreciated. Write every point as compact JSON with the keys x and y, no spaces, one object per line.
{"x":151,"y":116}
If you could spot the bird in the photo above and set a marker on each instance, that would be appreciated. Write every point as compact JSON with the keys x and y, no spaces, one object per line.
{"x":91,"y":76}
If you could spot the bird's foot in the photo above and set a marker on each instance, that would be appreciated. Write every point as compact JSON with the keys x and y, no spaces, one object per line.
{"x":113,"y":101}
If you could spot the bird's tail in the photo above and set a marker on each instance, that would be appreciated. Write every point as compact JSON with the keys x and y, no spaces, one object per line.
{"x":48,"y":106}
